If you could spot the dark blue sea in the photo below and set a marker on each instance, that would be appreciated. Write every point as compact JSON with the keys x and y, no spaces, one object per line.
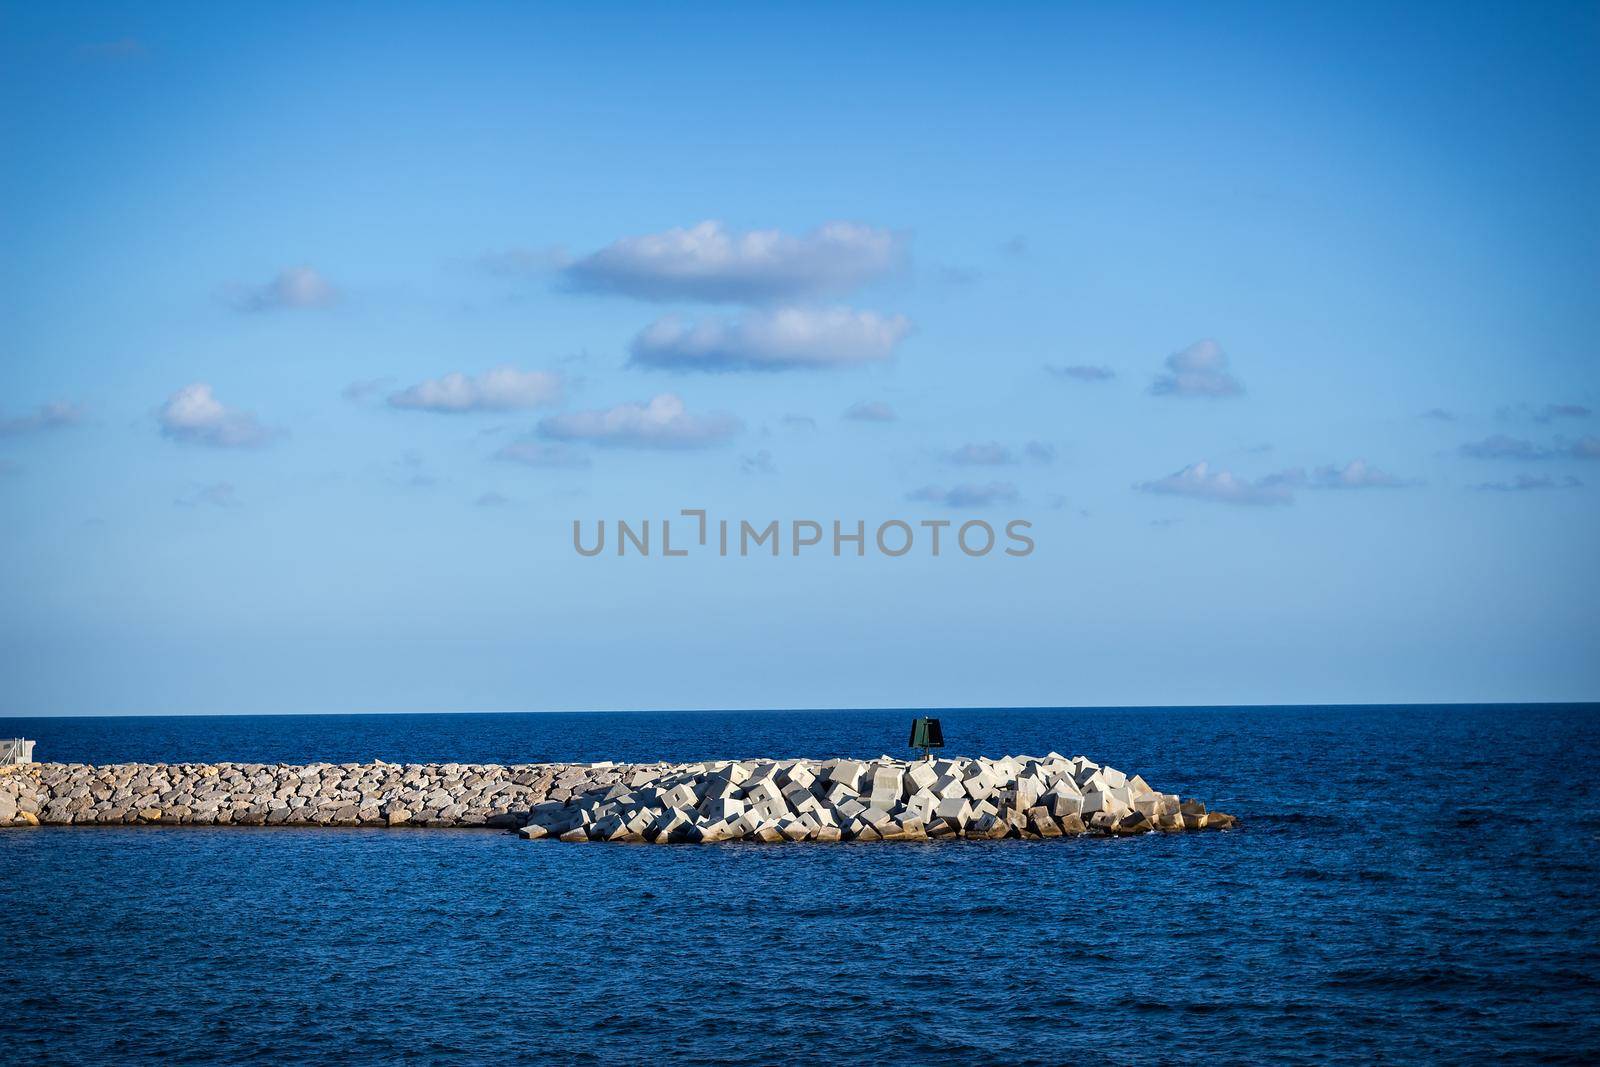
{"x":1411,"y":884}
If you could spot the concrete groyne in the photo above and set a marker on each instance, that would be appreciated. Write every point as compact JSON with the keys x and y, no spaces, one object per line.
{"x":756,"y":799}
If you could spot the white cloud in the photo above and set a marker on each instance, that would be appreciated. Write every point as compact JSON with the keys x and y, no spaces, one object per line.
{"x":1198,"y":480}
{"x":541,"y":454}
{"x":1199,"y":370}
{"x":1501,"y":446}
{"x":1525,"y":482}
{"x":296,"y":287}
{"x":1547,"y":413}
{"x":1082,"y":372}
{"x":782,"y":339}
{"x":1357,"y":474}
{"x":45,"y":417}
{"x":193,"y":415}
{"x":994,"y":454}
{"x":712,"y":263}
{"x":663,"y":422}
{"x":966,"y":496}
{"x":870,"y":411}
{"x":500,"y":389}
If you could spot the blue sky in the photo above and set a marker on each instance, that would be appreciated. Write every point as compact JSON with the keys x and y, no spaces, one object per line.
{"x":320,"y":326}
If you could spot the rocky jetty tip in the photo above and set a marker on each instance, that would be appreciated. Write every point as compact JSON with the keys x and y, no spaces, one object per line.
{"x":664,"y":803}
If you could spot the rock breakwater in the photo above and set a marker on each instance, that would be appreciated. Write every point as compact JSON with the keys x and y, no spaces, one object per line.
{"x":758,"y":799}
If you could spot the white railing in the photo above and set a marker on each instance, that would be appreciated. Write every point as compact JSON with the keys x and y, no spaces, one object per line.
{"x":15,"y":750}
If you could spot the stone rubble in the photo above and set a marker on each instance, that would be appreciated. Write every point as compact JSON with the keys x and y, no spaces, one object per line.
{"x":727,"y":800}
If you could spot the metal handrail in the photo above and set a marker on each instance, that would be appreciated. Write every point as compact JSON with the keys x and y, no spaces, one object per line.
{"x":11,"y":752}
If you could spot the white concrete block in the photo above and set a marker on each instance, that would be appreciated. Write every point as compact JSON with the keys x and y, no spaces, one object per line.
{"x":847,"y":773}
{"x":837,"y":793}
{"x":721,"y":809}
{"x":886,"y":786}
{"x":875,"y":816}
{"x":800,"y":773}
{"x":765,"y":789}
{"x":920,"y":776}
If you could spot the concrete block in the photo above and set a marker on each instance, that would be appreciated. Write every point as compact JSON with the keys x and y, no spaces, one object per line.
{"x":956,"y":810}
{"x":721,"y":809}
{"x":921,"y":805}
{"x":1043,"y":823}
{"x":837,"y":793}
{"x":679,"y":796}
{"x":847,"y":773}
{"x":886,"y":783}
{"x":876,"y":816}
{"x":1060,"y":805}
{"x":771,"y":810}
{"x":532,"y":832}
{"x":764,"y":790}
{"x":850,"y":808}
{"x":1113,"y":777}
{"x":799,"y":774}
{"x":920,"y":776}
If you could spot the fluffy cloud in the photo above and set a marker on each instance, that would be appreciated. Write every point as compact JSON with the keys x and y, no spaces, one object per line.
{"x":1524,"y":482}
{"x":500,"y":389}
{"x":1198,"y":480}
{"x":782,"y":339}
{"x":966,"y":496}
{"x":1357,"y":474}
{"x":1199,"y":370}
{"x":297,"y":287}
{"x":44,"y":417}
{"x":1083,"y":372}
{"x":870,"y":411}
{"x":713,"y":263}
{"x":193,"y":415}
{"x":663,"y":422}
{"x":541,"y":454}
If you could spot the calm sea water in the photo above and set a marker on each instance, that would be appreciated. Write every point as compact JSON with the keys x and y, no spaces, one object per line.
{"x":1412,"y":884}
